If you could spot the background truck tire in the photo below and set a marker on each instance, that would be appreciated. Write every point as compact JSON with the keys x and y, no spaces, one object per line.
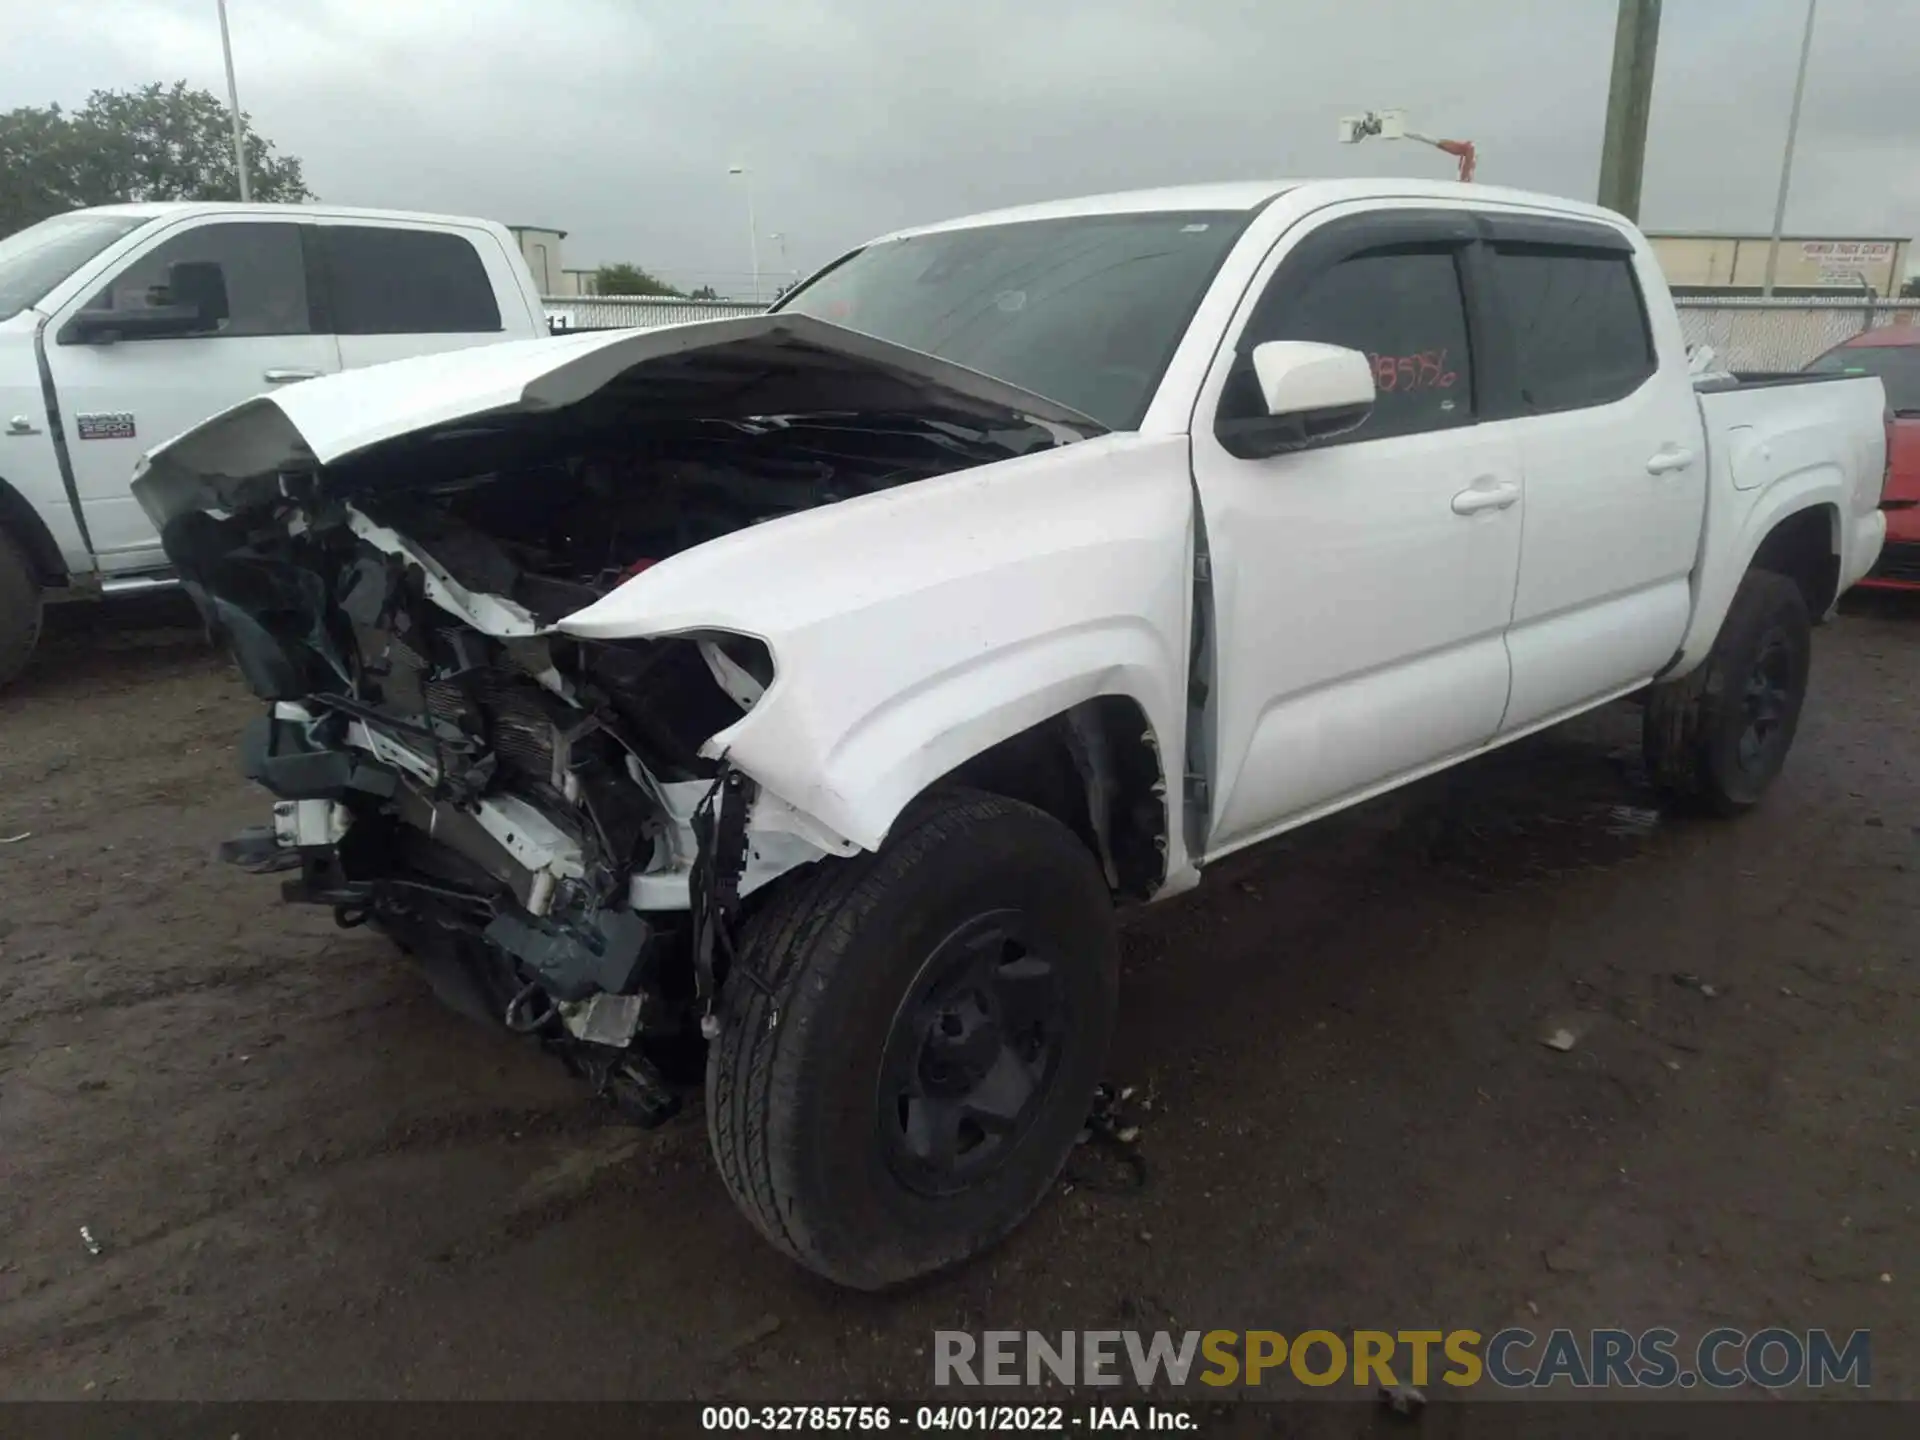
{"x":20,"y":608}
{"x":981,"y":923}
{"x":1715,"y":739}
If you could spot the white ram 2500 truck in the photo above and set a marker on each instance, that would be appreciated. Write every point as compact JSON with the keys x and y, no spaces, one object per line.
{"x":820,"y":682}
{"x":123,"y":325}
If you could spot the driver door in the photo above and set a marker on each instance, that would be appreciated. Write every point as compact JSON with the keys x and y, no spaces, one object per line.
{"x":122,"y":395}
{"x":1363,"y":583}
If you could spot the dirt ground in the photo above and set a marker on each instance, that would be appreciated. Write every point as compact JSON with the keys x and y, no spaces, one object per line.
{"x":306,"y":1179}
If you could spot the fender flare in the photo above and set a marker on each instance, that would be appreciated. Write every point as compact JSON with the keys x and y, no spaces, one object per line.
{"x":1815,"y":488}
{"x":856,"y":782}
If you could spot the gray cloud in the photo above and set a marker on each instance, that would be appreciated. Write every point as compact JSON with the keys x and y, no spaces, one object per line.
{"x":617,"y":119}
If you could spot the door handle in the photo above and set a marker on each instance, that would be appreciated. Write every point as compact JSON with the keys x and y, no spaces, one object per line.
{"x":1490,"y":497}
{"x":287,"y":377}
{"x":21,"y":425}
{"x":1670,"y":457}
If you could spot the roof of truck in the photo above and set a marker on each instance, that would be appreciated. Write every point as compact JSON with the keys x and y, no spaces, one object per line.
{"x":162,"y":209}
{"x":1244,"y":195}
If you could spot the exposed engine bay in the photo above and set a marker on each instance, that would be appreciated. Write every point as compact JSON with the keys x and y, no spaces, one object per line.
{"x":539,"y":818}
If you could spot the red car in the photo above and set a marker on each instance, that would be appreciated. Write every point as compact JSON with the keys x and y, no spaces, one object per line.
{"x":1894,"y":355}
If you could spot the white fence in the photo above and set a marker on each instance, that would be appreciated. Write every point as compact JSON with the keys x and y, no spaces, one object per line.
{"x":639,"y":312}
{"x":1746,"y":334}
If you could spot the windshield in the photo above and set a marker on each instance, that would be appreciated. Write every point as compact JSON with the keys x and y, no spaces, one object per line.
{"x":1898,"y":367}
{"x":36,"y":259}
{"x":1085,"y":311}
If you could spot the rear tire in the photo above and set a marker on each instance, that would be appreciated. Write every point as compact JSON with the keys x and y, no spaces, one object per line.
{"x":20,"y":609}
{"x":939,"y":1017}
{"x":1716,"y":739}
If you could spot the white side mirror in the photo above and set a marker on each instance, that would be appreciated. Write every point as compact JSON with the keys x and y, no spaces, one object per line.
{"x":1310,"y":391}
{"x":1298,"y":376}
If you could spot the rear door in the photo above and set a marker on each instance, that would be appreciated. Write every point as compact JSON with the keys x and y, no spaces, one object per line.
{"x":388,"y":290}
{"x":121,"y":397}
{"x":1610,"y":443}
{"x":1362,"y":586}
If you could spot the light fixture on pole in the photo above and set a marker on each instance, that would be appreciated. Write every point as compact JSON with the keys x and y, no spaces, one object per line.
{"x":233,"y":104}
{"x":1392,"y":125}
{"x":1786,"y":157}
{"x":753,"y":229}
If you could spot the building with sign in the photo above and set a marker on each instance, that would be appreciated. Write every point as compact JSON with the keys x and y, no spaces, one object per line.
{"x":1700,"y":263}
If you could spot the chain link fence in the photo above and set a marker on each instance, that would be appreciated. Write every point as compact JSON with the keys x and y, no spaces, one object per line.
{"x":1758,"y":334}
{"x":637,"y":312}
{"x":1745,"y":334}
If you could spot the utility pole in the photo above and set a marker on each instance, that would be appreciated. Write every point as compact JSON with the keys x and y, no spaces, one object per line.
{"x":1786,"y":158}
{"x":1623,"y":153}
{"x":233,"y":104}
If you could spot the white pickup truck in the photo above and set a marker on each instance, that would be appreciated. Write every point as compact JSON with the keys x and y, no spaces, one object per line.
{"x":820,"y":682}
{"x":123,"y":325}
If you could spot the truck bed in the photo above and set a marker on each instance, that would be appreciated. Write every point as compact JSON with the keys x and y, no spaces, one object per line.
{"x":1766,"y":379}
{"x":1770,"y":444}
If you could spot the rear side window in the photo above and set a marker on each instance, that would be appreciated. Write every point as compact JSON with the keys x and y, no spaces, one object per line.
{"x":1579,"y":327}
{"x":1404,"y":309}
{"x":386,"y":281}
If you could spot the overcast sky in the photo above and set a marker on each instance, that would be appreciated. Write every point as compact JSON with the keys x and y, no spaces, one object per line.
{"x":616,"y":120}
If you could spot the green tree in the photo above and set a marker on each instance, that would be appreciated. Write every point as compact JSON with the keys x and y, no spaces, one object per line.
{"x":705,"y":292}
{"x":160,"y":142}
{"x":624,"y":279}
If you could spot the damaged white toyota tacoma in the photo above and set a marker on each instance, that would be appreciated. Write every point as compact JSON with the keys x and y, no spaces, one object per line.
{"x":816,"y":685}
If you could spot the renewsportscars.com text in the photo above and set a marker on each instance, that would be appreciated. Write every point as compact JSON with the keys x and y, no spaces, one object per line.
{"x":1510,"y":1359}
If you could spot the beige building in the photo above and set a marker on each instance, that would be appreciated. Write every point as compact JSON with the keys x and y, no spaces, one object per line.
{"x":1698,"y":263}
{"x":541,"y":248}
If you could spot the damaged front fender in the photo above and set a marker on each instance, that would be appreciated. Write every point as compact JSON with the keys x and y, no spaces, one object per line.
{"x":913,"y":629}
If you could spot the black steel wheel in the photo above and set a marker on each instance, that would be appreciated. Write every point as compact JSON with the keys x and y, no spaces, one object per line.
{"x":1767,"y":702}
{"x":973,"y":1050}
{"x":937,"y":1018}
{"x":1717,"y":738}
{"x":20,"y":608}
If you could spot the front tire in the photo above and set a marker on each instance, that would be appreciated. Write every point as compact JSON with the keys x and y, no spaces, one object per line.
{"x":20,"y":609}
{"x":1716,"y":739}
{"x":939,"y":1015}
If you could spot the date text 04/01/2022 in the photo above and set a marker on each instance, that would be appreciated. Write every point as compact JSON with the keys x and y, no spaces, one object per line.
{"x":1038,"y":1419}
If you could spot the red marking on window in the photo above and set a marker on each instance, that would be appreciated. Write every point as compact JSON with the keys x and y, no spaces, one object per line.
{"x":1420,"y":370}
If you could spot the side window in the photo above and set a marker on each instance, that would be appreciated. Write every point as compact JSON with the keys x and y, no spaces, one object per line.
{"x":387,"y":281}
{"x":260,"y":263}
{"x":1404,"y":309}
{"x":1579,"y":327}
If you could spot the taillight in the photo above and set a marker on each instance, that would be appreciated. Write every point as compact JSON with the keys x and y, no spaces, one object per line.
{"x":1886,"y":467}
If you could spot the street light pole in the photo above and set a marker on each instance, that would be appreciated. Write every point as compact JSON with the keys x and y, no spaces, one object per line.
{"x":233,"y":104}
{"x":1786,"y":158}
{"x":753,"y":228}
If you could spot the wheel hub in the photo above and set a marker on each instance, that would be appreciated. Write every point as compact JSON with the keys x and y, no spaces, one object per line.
{"x":971,"y":1055}
{"x":1766,"y":699}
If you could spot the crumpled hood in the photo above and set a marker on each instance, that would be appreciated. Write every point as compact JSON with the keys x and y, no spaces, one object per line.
{"x":720,"y":369}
